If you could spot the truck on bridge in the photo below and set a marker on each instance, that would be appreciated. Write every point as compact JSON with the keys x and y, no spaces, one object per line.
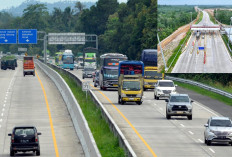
{"x":109,"y":70}
{"x":151,"y":76}
{"x":130,"y":82}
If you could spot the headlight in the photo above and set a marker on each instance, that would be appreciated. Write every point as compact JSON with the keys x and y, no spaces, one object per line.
{"x":189,"y":106}
{"x":138,"y":95}
{"x":123,"y":95}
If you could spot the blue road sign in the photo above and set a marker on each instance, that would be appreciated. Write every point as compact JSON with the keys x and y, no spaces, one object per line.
{"x":27,"y":36}
{"x":8,"y":36}
{"x":201,"y":48}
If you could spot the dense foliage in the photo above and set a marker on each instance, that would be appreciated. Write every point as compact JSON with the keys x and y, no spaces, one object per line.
{"x":125,"y":28}
{"x":223,"y":16}
{"x":170,"y":18}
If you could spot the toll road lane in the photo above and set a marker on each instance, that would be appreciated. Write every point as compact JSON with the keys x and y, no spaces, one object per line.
{"x":27,"y":106}
{"x":175,"y":137}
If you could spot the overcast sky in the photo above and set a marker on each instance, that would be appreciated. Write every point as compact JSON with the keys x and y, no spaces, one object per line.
{"x":9,"y":3}
{"x":196,"y":2}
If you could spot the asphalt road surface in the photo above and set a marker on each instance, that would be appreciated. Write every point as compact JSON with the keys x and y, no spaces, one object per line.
{"x":215,"y":58}
{"x":22,"y":102}
{"x":151,"y":134}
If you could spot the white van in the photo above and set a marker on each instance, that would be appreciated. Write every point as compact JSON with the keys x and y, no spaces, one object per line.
{"x":163,"y":88}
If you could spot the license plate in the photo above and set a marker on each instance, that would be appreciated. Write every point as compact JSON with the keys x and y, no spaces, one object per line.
{"x":179,"y":112}
{"x":222,"y":137}
{"x":24,"y":141}
{"x":131,"y":98}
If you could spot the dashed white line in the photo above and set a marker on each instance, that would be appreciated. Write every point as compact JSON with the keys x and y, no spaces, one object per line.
{"x":200,"y":140}
{"x":4,"y":105}
{"x":155,"y":104}
{"x":182,"y":125}
{"x":3,"y":109}
{"x":0,"y":120}
{"x":191,"y":132}
{"x":211,"y":150}
{"x":0,"y":126}
{"x":4,"y":101}
{"x":2,"y":115}
{"x":160,"y":108}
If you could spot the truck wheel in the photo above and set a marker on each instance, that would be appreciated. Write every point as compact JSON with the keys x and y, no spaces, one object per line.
{"x":95,"y":84}
{"x":33,"y":73}
{"x":83,"y":77}
{"x":208,"y":142}
{"x":157,"y":98}
{"x":38,"y":153}
{"x":190,"y":117}
{"x":122,"y":102}
{"x":24,"y":74}
{"x":13,"y":68}
{"x":144,"y":89}
{"x":168,"y":116}
{"x":139,"y":102}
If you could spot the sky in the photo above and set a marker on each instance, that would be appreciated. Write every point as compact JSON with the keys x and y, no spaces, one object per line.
{"x":196,"y":2}
{"x":9,"y":3}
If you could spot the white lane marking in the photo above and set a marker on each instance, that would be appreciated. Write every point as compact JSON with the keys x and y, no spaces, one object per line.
{"x":4,"y":101}
{"x":211,"y":150}
{"x":182,"y":125}
{"x":0,"y":120}
{"x":4,"y":105}
{"x":2,"y":115}
{"x":191,"y":132}
{"x":200,"y":140}
{"x":6,"y":98}
{"x":160,"y":108}
{"x":3,"y":109}
{"x":155,"y":104}
{"x":207,"y":109}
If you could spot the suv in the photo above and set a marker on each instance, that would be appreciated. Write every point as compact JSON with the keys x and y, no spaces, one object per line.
{"x":218,"y":129}
{"x":179,"y":105}
{"x":163,"y":88}
{"x":87,"y":72}
{"x":23,"y":139}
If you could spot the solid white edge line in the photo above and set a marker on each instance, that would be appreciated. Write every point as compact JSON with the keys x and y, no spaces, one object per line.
{"x":191,"y":132}
{"x":200,"y":140}
{"x":182,"y":125}
{"x":2,"y":115}
{"x":206,"y":109}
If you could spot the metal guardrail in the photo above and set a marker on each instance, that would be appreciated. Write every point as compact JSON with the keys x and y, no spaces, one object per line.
{"x":113,"y":126}
{"x":80,"y":124}
{"x":201,"y":85}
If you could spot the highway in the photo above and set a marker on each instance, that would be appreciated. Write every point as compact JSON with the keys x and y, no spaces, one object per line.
{"x":151,"y":134}
{"x":215,"y":58}
{"x":23,"y":102}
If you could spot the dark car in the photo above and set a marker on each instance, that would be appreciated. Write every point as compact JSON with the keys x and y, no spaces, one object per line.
{"x":96,"y":79}
{"x":23,"y":139}
{"x":87,"y":73}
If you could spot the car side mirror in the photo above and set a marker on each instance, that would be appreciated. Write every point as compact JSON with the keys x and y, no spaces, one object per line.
{"x":176,"y":85}
{"x":206,"y":125}
{"x":192,"y":101}
{"x":39,"y":133}
{"x":9,"y":134}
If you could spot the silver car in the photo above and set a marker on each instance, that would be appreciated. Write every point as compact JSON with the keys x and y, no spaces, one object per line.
{"x":179,"y":105}
{"x":218,"y":129}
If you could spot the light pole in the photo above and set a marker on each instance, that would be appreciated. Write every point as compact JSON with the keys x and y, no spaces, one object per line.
{"x":229,"y":32}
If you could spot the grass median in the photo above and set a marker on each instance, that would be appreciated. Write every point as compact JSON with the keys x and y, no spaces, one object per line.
{"x":107,"y":143}
{"x":205,"y":92}
{"x":200,"y":18}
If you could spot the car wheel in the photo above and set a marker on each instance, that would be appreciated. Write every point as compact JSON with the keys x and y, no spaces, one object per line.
{"x":38,"y":153}
{"x":208,"y":142}
{"x":205,"y":141}
{"x":154,"y":96}
{"x":139,"y":102}
{"x":33,"y":73}
{"x":190,"y":117}
{"x":83,"y":77}
{"x":157,"y":97}
{"x":12,"y":153}
{"x":95,"y":85}
{"x":168,"y":116}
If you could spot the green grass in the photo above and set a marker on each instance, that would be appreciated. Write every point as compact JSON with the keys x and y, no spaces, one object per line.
{"x":225,"y":39}
{"x":177,"y":52}
{"x":204,"y":92}
{"x":200,"y":18}
{"x":107,"y":143}
{"x":212,"y":18}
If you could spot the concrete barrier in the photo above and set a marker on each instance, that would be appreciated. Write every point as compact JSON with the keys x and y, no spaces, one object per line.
{"x":113,"y":126}
{"x":80,"y":124}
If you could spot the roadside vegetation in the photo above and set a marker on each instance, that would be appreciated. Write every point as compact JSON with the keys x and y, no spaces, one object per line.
{"x":220,"y":80}
{"x":107,"y":143}
{"x":177,"y":52}
{"x":205,"y":92}
{"x":212,"y":18}
{"x":225,"y":39}
{"x":200,"y":18}
{"x":223,"y":16}
{"x":170,"y":18}
{"x":126,"y":28}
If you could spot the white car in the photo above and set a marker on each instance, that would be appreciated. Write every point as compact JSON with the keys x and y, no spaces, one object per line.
{"x":163,"y":88}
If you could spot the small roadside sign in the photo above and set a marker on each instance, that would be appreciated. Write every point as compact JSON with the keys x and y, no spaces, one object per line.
{"x":85,"y":86}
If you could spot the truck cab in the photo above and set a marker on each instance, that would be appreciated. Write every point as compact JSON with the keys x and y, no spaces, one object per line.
{"x":130,"y":82}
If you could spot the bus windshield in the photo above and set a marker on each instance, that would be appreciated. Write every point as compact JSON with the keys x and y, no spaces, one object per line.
{"x":67,"y":59}
{"x":110,"y":74}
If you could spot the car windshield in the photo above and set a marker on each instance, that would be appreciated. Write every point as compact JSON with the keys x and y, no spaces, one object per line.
{"x":80,"y":59}
{"x":179,"y":99}
{"x":221,"y":123}
{"x":166,"y":84}
{"x":24,"y":132}
{"x":110,"y":74}
{"x":131,"y":85}
{"x":88,"y":69}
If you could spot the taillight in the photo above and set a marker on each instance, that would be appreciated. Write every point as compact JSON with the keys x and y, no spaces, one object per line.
{"x":36,"y":138}
{"x":12,"y":138}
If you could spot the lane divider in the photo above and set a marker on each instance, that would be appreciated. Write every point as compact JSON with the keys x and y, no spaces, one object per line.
{"x":124,"y":117}
{"x":49,"y":115}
